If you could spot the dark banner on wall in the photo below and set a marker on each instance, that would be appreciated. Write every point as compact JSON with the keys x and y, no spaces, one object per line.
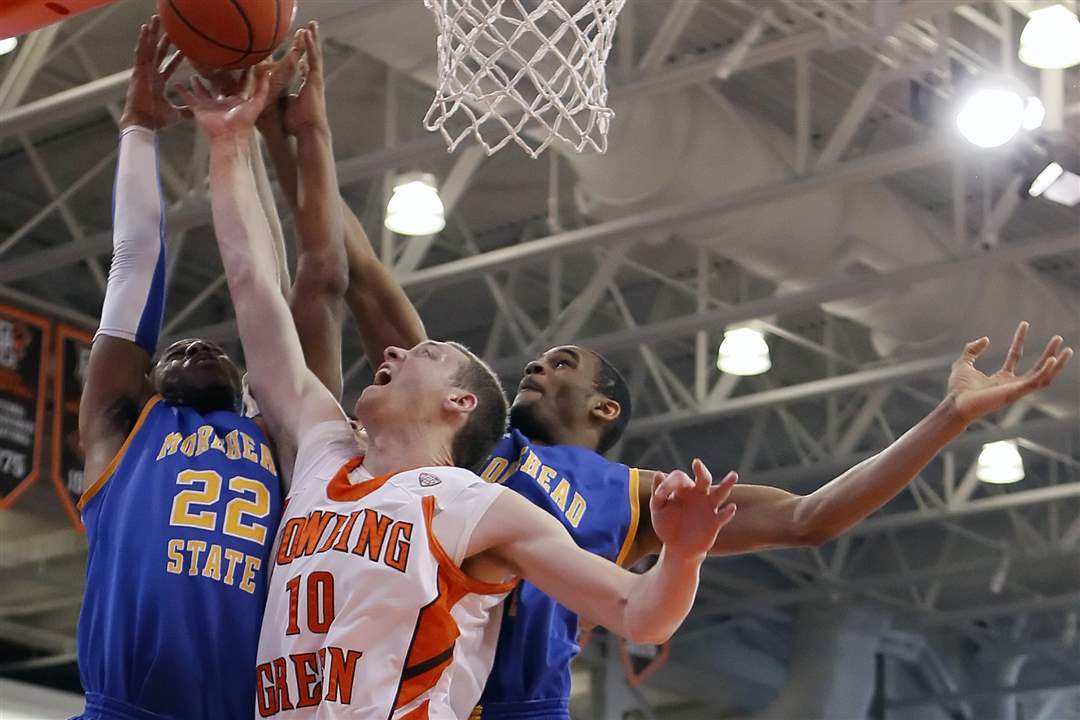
{"x":23,"y":358}
{"x":72,"y":354}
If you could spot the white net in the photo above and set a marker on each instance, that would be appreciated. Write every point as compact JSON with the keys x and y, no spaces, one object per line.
{"x":527,"y":71}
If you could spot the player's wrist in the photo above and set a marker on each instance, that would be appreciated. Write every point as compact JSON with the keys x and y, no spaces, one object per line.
{"x":133,"y":118}
{"x":949,"y":414}
{"x":682,"y":559}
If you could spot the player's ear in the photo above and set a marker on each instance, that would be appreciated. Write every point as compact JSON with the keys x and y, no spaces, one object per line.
{"x":461,"y":401}
{"x":605,"y":409}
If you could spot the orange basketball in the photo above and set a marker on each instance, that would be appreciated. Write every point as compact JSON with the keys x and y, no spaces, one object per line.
{"x":226,"y":34}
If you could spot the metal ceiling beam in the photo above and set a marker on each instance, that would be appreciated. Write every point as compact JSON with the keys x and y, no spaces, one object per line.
{"x":786,"y":395}
{"x":753,"y":601}
{"x":197,"y":212}
{"x":997,"y":692}
{"x":802,"y":477}
{"x":35,"y":637}
{"x":1067,"y":601}
{"x":89,"y":97}
{"x":688,"y":324}
{"x":29,"y":60}
{"x":628,"y":228}
{"x":41,"y":547}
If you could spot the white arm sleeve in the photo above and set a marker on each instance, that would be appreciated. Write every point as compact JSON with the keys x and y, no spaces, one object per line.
{"x":135,"y":296}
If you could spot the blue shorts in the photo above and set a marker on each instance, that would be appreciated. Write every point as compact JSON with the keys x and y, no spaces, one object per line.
{"x":558,"y":709}
{"x":99,"y":707}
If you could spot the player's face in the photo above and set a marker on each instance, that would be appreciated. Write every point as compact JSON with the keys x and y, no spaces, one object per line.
{"x":411,"y":384}
{"x":555,"y":392}
{"x":199,"y":374}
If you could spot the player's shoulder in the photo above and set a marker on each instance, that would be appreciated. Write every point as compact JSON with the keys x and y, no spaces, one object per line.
{"x":441,"y":476}
{"x":448,"y":484}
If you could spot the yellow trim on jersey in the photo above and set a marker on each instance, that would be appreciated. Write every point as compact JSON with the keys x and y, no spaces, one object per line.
{"x":100,"y":482}
{"x":635,"y":514}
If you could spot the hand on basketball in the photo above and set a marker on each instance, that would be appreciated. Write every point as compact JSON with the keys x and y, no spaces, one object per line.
{"x":224,"y":117}
{"x":688,"y":513}
{"x":282,"y":73}
{"x":307,"y":109}
{"x":974,"y":394}
{"x":146,"y":104}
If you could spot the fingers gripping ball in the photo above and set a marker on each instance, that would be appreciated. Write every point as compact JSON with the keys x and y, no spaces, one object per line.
{"x":226,"y":34}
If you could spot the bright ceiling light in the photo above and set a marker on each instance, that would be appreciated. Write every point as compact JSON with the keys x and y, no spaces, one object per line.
{"x":1034,"y":114}
{"x":1058,"y":185}
{"x":1050,"y":175}
{"x":991,"y":116}
{"x":8,"y":45}
{"x":744,"y":352}
{"x":1051,"y":39}
{"x":415,"y":207}
{"x":1000,"y":463}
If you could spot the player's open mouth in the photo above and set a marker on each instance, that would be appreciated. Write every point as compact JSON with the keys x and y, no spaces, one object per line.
{"x":383,"y":375}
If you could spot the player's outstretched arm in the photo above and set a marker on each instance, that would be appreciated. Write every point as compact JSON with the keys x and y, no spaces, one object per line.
{"x":321,"y":273}
{"x":116,"y":380}
{"x":383,"y":313}
{"x":290,"y":396}
{"x":770,"y":517}
{"x":226,"y":82}
{"x":644,"y":608}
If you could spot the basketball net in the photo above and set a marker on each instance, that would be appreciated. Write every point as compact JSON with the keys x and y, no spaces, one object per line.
{"x":527,"y":71}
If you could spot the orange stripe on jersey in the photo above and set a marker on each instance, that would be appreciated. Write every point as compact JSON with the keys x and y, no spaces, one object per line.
{"x":455,"y":574}
{"x":341,"y":490}
{"x":108,"y":473}
{"x":635,"y":514}
{"x":432,"y":648}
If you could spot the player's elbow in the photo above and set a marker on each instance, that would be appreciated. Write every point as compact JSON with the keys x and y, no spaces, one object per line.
{"x":806,"y":525}
{"x":322,"y":275}
{"x":809,"y":532}
{"x":652,"y":635}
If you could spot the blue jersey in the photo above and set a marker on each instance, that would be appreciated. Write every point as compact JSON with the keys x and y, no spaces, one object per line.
{"x":180,"y":528}
{"x":597,"y":502}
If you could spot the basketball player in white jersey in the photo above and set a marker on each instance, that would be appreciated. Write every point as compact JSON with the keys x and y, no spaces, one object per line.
{"x":392,"y":558}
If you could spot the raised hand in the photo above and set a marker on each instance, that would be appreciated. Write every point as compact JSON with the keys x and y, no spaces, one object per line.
{"x":307,"y":109}
{"x":281,"y":74}
{"x":227,"y":116}
{"x":687,"y":514}
{"x":146,"y":105}
{"x":975,"y":394}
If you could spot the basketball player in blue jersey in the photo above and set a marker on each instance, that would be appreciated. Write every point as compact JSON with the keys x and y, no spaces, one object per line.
{"x":183,"y":513}
{"x":572,"y":406}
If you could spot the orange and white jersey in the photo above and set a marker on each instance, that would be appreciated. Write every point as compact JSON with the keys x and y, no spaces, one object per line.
{"x":369,"y":615}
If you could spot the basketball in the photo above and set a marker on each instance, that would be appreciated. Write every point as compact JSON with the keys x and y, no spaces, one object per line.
{"x":226,"y":34}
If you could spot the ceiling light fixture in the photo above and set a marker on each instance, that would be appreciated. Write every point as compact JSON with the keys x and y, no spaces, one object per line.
{"x":1051,"y":39}
{"x":744,"y":352}
{"x":993,"y":114}
{"x":415,"y":207}
{"x":1000,"y":463}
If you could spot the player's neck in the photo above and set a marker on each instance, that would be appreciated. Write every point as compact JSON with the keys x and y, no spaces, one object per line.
{"x":405,"y":449}
{"x":560,"y":435}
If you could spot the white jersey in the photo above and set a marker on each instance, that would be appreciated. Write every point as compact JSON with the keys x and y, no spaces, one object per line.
{"x":369,"y":615}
